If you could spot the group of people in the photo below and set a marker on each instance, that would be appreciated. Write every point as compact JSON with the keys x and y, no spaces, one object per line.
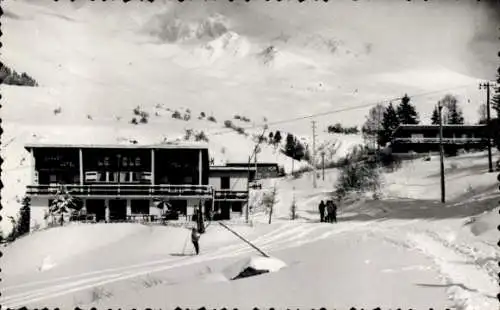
{"x":328,"y":211}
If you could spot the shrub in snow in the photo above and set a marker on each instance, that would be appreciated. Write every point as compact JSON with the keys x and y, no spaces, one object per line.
{"x":237,"y":116}
{"x":144,"y":118}
{"x":202,"y":115}
{"x":151,"y":281}
{"x":212,"y":119}
{"x":177,"y":115}
{"x":240,"y":130}
{"x":357,"y":177}
{"x":99,"y":293}
{"x":338,"y":128}
{"x":252,"y":266}
{"x":62,"y":204}
{"x":57,"y":111}
{"x":201,"y":136}
{"x":187,"y":117}
{"x":188,"y":133}
{"x":228,"y":124}
{"x":134,"y":121}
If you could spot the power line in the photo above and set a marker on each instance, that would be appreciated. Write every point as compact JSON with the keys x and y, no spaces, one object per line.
{"x":356,"y":107}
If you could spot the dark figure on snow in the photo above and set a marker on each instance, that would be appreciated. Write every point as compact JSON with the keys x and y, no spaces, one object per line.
{"x":330,"y":207}
{"x":322,"y":211}
{"x":195,"y":237}
{"x":334,"y":213}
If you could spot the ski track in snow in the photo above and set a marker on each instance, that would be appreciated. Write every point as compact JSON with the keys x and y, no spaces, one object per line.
{"x":470,"y":283}
{"x":285,"y":236}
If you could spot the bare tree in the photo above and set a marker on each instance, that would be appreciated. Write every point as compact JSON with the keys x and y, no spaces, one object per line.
{"x":270,"y":199}
{"x":373,"y":124}
{"x":293,"y":208}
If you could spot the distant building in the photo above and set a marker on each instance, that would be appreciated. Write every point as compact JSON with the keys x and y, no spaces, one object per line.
{"x":425,"y":138}
{"x":231,"y":192}
{"x":263,"y":170}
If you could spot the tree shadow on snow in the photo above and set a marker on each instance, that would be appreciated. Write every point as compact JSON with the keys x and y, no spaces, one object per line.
{"x":182,"y":254}
{"x":460,"y":285}
{"x":409,"y":209}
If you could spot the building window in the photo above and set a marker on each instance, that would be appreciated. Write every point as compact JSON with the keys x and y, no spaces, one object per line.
{"x":53,"y":178}
{"x":139,"y":206}
{"x":224,"y":183}
{"x":417,"y":137}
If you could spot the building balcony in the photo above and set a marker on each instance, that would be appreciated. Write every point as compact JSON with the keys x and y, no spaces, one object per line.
{"x":230,"y":195}
{"x":436,"y":140}
{"x":126,"y":190}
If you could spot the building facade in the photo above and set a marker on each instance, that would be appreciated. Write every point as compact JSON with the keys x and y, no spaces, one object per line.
{"x":425,"y":138}
{"x":114,"y":183}
{"x":231,"y":190}
{"x":261,"y":170}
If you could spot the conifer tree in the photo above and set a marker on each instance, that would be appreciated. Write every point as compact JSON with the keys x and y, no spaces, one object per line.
{"x":495,"y":101}
{"x":454,"y":113}
{"x":407,"y":113}
{"x":24,"y":216}
{"x":389,"y":123}
{"x":435,"y":116}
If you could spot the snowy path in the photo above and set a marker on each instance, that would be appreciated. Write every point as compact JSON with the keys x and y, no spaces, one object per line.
{"x":465,"y":275}
{"x":284,"y":236}
{"x":469,"y":279}
{"x":471,"y":285}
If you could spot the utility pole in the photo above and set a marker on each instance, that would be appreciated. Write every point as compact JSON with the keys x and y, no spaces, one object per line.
{"x":487,"y":85}
{"x":323,"y":163}
{"x":441,"y":151}
{"x":314,"y":153}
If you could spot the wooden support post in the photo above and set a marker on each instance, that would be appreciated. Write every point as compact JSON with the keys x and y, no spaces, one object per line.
{"x":152,"y":167}
{"x":80,"y":165}
{"x":245,"y":240}
{"x":200,"y":167}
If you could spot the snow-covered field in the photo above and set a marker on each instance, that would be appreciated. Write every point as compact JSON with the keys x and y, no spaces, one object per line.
{"x":96,"y":62}
{"x":417,"y":252}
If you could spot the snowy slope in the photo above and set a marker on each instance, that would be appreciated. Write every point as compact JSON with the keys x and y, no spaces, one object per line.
{"x":426,"y":252}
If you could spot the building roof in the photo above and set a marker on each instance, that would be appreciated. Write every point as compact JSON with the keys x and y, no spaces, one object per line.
{"x":245,"y":164}
{"x":226,"y":168}
{"x":406,"y":126}
{"x":118,"y":146}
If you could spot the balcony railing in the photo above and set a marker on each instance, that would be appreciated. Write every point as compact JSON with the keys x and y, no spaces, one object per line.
{"x":436,"y":140}
{"x":141,"y":190}
{"x":231,"y":195}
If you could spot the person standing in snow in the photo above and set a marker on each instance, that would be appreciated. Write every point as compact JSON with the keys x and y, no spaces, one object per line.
{"x":195,"y":237}
{"x":334,"y":212}
{"x":330,"y":209}
{"x":322,"y":211}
